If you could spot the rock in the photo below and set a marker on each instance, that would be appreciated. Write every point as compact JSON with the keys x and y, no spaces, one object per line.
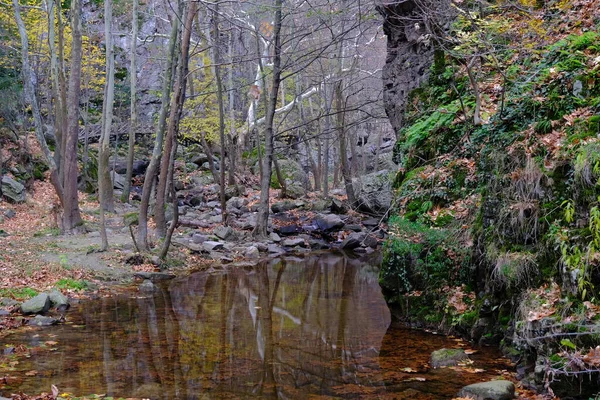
{"x":10,"y":214}
{"x":118,"y":181}
{"x":224,"y":232}
{"x":353,"y":241}
{"x":292,"y":172}
{"x":234,"y":191}
{"x":370,"y":241}
{"x":7,"y":302}
{"x":295,"y":191}
{"x":492,"y":390}
{"x":12,"y":190}
{"x":353,"y":227}
{"x":199,"y":238}
{"x":287,"y":230}
{"x":252,"y":252}
{"x":274,"y":237}
{"x":320,"y":205}
{"x":210,"y":245}
{"x":286,"y":205}
{"x":147,"y":286}
{"x":199,"y":159}
{"x":38,"y":304}
{"x":318,"y":244}
{"x":408,"y":65}
{"x":236,"y":202}
{"x":447,"y":357}
{"x":58,"y":300}
{"x":154,"y":276}
{"x":371,"y":222}
{"x":338,"y":206}
{"x":4,"y":313}
{"x":274,"y":249}
{"x":40,"y":320}
{"x":374,"y":191}
{"x":294,"y":242}
{"x":329,"y":222}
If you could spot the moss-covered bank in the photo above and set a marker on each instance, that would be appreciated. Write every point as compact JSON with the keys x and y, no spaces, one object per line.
{"x":496,"y":227}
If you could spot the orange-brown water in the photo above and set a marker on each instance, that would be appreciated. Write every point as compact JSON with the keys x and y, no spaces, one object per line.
{"x":291,"y":329}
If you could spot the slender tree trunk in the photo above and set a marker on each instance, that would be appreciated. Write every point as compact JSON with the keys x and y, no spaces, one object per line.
{"x":260,"y":230}
{"x":71,"y":216}
{"x":176,"y":106}
{"x":29,"y":80}
{"x":133,"y":96}
{"x":233,"y":151}
{"x":142,"y":236}
{"x":216,"y":51}
{"x":59,"y":107}
{"x":341,"y":128}
{"x":62,"y":86}
{"x":105,"y":185}
{"x":475,"y":86}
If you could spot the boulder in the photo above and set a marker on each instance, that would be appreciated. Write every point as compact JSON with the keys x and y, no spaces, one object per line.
{"x":40,"y":320}
{"x":234,"y":191}
{"x":199,"y":238}
{"x":295,"y":191}
{"x":252,"y":252}
{"x":492,"y":390}
{"x":274,"y":237}
{"x":338,"y":206}
{"x":374,"y":191}
{"x":118,"y":181}
{"x":274,"y":249}
{"x":293,"y":173}
{"x":13,"y":190}
{"x":329,"y":222}
{"x":58,"y":300}
{"x":224,"y":232}
{"x":353,"y":241}
{"x":36,"y":305}
{"x":286,"y":205}
{"x":294,"y":242}
{"x":447,"y":357}
{"x":210,"y":245}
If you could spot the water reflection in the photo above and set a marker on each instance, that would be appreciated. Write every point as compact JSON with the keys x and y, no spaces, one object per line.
{"x":284,"y":329}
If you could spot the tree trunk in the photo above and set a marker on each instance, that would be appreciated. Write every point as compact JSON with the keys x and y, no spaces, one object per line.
{"x":142,"y":236}
{"x":341,"y":128}
{"x":105,"y":185}
{"x":71,"y":217}
{"x":133,"y":96}
{"x":216,"y":51}
{"x":29,"y":80}
{"x":260,"y":230}
{"x":475,"y":86}
{"x":176,"y":107}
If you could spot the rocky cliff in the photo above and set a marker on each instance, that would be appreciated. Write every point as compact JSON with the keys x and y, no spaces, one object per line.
{"x":409,"y":26}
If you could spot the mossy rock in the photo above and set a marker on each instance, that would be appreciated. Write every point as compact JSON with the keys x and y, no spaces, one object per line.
{"x":447,"y":357}
{"x":131,"y":219}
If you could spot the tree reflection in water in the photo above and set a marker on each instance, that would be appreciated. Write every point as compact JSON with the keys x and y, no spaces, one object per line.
{"x":287,"y":328}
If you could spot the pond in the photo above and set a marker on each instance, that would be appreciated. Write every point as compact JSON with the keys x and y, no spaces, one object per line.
{"x":288,"y":328}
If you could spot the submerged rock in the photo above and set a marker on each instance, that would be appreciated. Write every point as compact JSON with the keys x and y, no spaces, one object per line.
{"x":36,"y":305}
{"x":492,"y":390}
{"x":447,"y":357}
{"x":40,"y":320}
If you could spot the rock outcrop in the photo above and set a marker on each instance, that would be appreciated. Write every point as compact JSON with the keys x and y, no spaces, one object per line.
{"x":409,"y":26}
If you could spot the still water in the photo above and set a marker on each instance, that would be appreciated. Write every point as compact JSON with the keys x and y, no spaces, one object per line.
{"x":291,"y":328}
